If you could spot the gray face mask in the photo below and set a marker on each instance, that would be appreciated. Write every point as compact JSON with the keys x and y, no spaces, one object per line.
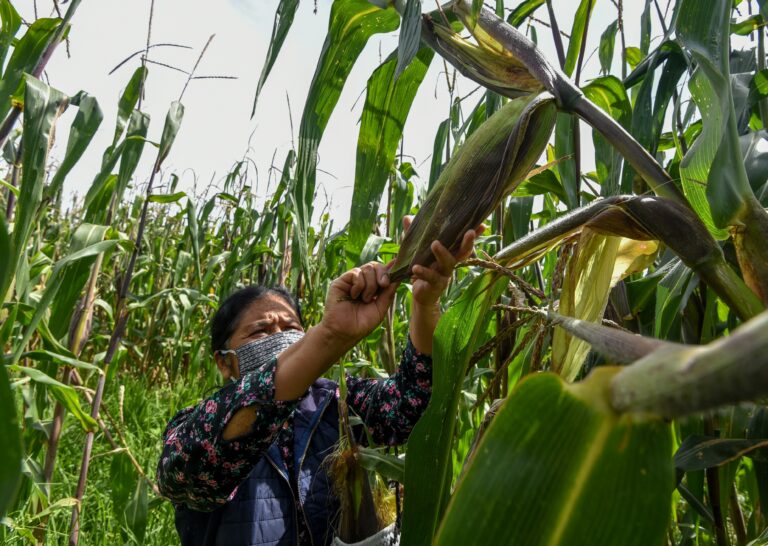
{"x":255,"y":354}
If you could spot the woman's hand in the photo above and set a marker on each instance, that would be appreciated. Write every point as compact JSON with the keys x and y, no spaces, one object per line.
{"x":429,"y":283}
{"x":357,"y":302}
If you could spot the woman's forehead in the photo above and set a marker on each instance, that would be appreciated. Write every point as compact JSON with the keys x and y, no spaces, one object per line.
{"x":267,"y":305}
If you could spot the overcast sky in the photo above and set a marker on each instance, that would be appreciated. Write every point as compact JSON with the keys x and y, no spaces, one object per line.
{"x":217,"y":127}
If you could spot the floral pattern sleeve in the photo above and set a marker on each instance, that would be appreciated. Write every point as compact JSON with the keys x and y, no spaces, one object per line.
{"x":391,"y":407}
{"x":198,"y":467}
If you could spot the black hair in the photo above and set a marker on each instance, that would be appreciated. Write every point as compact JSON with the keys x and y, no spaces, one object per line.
{"x":225,"y":320}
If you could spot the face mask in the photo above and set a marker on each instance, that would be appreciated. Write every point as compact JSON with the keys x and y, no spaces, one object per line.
{"x":255,"y":354}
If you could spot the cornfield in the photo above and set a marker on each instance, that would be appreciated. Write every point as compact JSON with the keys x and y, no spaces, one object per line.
{"x":601,"y":363}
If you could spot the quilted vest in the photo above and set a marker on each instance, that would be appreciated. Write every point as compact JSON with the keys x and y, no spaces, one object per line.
{"x":263,"y":511}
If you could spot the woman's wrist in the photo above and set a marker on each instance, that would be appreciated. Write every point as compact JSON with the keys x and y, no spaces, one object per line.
{"x":424,"y":319}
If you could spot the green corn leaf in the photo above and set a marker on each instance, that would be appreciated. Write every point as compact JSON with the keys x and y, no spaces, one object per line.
{"x":61,"y":392}
{"x":557,"y":467}
{"x":609,"y":94}
{"x":26,"y":54}
{"x":564,"y":151}
{"x":54,"y":284}
{"x":578,"y":31}
{"x":137,"y":511}
{"x":387,"y":104}
{"x":12,"y":452}
{"x":167,"y":198}
{"x":74,"y":278}
{"x":351,"y":24}
{"x":170,"y":130}
{"x":128,"y":101}
{"x":10,"y":22}
{"x":390,"y":467}
{"x":43,"y":105}
{"x":428,"y":466}
{"x":41,"y":355}
{"x":87,"y":121}
{"x":645,"y":29}
{"x":700,"y":452}
{"x":524,"y":10}
{"x":715,"y":156}
{"x":410,"y":36}
{"x":607,"y":45}
{"x":438,"y":152}
{"x":286,"y":10}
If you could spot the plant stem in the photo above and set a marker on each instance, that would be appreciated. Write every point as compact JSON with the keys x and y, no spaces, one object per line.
{"x":737,"y":516}
{"x":114,"y":342}
{"x":556,"y":34}
{"x":762,"y":103}
{"x":675,"y":381}
{"x":713,"y":491}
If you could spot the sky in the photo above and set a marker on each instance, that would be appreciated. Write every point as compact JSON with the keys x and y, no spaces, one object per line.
{"x":217,"y":129}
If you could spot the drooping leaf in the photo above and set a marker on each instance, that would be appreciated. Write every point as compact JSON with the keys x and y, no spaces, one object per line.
{"x":388,"y":102}
{"x":700,"y":452}
{"x":87,"y":121}
{"x":128,"y":100}
{"x":576,"y":463}
{"x":578,"y":31}
{"x":410,"y":36}
{"x":170,"y":130}
{"x":286,"y":10}
{"x":607,"y":45}
{"x":524,"y":10}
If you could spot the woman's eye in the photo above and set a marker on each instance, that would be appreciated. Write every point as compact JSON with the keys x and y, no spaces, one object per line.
{"x":258,"y":334}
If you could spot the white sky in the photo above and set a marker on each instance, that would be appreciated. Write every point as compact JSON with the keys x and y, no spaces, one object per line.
{"x":217,"y":125}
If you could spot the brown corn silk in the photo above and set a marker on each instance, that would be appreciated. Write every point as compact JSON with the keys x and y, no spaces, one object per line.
{"x":490,"y":164}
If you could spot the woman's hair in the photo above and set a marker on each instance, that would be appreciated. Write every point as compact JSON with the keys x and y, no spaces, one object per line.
{"x":228,"y":315}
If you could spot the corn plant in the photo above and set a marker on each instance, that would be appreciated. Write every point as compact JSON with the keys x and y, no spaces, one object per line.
{"x":599,"y":368}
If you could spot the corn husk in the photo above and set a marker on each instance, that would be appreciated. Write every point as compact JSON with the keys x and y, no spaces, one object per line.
{"x":487,"y":167}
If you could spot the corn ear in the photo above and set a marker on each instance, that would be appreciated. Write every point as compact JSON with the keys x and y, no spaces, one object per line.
{"x":487,"y":167}
{"x":493,"y":66}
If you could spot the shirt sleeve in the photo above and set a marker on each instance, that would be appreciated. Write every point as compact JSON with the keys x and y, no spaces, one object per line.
{"x":197,"y":466}
{"x":391,"y":407}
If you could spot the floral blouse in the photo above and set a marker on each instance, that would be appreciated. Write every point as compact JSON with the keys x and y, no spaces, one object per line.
{"x":200,"y":469}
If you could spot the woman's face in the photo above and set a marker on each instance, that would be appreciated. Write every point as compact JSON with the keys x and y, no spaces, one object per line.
{"x":268,"y":315}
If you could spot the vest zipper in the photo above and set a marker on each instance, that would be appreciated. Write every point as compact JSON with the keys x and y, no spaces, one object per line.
{"x":301,"y":462}
{"x":293,"y":497}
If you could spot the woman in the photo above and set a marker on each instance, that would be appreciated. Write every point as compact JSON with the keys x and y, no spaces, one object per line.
{"x":245,"y":466}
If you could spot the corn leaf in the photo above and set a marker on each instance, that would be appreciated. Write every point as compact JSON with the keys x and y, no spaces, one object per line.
{"x":428,"y":469}
{"x":568,"y":477}
{"x":128,"y":101}
{"x":351,"y":24}
{"x":387,"y":104}
{"x":578,"y":34}
{"x":524,"y":10}
{"x":84,"y":127}
{"x":609,"y":94}
{"x":715,"y":158}
{"x":286,"y":11}
{"x":10,"y":22}
{"x":137,"y":511}
{"x":74,"y":278}
{"x":12,"y":452}
{"x":43,"y":105}
{"x":26,"y":54}
{"x":170,"y":130}
{"x":607,"y":45}
{"x":410,"y":36}
{"x":585,"y":293}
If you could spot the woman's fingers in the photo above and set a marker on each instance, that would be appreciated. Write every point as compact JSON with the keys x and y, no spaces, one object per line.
{"x":371,"y":282}
{"x":429,"y":275}
{"x":444,"y":260}
{"x":407,"y":221}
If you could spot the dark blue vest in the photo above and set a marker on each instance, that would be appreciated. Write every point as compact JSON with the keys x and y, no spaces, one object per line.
{"x":263,"y":511}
